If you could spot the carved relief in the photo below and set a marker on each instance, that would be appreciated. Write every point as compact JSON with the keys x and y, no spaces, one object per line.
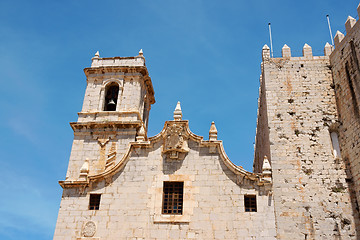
{"x":110,"y":162}
{"x":175,"y":140}
{"x":103,"y":141}
{"x":89,"y":229}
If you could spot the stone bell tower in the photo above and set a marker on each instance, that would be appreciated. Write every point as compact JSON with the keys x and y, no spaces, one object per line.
{"x":115,"y":111}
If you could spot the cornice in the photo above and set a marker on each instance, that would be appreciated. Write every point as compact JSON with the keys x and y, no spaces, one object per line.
{"x":110,"y":125}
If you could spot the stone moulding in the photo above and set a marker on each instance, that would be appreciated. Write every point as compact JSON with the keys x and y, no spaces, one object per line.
{"x":111,"y":125}
{"x":238,"y":170}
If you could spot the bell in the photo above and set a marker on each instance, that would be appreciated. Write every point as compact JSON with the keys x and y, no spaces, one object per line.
{"x":111,"y":102}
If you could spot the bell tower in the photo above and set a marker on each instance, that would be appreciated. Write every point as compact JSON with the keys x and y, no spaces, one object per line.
{"x":115,"y":112}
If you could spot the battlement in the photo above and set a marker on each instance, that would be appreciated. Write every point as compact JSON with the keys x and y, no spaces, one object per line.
{"x":307,"y":52}
{"x":137,"y":61}
{"x":349,"y":27}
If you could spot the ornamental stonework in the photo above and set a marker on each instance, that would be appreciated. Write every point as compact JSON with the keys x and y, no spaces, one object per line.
{"x":175,"y":140}
{"x":89,"y":229}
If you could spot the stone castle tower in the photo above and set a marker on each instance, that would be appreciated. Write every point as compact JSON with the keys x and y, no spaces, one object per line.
{"x":122,"y":184}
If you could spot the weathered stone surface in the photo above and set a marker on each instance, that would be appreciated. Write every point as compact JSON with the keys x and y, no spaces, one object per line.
{"x":297,"y":110}
{"x":306,"y":166}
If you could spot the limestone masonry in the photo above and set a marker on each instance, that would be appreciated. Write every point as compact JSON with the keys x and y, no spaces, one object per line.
{"x":122,"y":184}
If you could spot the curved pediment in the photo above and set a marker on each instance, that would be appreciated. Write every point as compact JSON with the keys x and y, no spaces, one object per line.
{"x":174,"y":138}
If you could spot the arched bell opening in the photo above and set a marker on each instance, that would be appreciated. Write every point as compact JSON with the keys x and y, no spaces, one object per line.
{"x":111,"y":97}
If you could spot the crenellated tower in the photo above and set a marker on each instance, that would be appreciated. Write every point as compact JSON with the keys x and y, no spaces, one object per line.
{"x":346,"y":75}
{"x":297,"y":132}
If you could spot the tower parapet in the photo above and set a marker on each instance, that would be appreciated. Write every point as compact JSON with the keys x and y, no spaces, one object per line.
{"x":307,"y":53}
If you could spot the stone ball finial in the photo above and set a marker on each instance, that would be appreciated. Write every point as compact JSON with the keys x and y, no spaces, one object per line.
{"x":178,"y":112}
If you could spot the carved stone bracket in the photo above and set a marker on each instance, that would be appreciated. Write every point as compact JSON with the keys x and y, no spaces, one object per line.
{"x":103,"y":141}
{"x":175,"y":140}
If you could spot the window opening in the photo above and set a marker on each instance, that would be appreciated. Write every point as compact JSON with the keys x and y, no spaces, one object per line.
{"x":94,"y":203}
{"x":173,"y":197}
{"x":250,"y":203}
{"x":111,"y":97}
{"x":335,"y":144}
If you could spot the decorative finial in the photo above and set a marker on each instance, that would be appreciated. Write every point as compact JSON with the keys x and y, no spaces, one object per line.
{"x":350,"y":22}
{"x":286,"y":51}
{"x":177,"y":112}
{"x":213,"y":132}
{"x":338,"y":38}
{"x":141,"y":52}
{"x":97,"y":54}
{"x":84,"y":170}
{"x":328,"y":49}
{"x":266,"y":169}
{"x":141,"y":134}
{"x":307,"y":51}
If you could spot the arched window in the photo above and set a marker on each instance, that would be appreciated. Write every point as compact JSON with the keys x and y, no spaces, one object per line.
{"x":111,"y":97}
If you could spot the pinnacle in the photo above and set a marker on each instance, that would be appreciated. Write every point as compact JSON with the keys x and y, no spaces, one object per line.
{"x":285,"y":46}
{"x":327,"y":44}
{"x":266,"y":164}
{"x":97,"y":54}
{"x":213,"y":127}
{"x":141,"y":131}
{"x":178,"y":112}
{"x":178,"y":107}
{"x":140,"y":134}
{"x":265,"y":47}
{"x":213,"y":132}
{"x":306,"y":46}
{"x":141,"y":52}
{"x":350,"y":18}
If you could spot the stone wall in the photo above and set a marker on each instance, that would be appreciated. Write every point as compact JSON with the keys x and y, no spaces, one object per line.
{"x":311,"y":195}
{"x":131,"y":200}
{"x":346,"y":74}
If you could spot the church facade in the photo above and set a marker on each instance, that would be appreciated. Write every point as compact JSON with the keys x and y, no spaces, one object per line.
{"x":123,"y":184}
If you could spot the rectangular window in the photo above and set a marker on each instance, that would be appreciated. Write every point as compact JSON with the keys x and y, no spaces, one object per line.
{"x":94,"y":202}
{"x":173,"y":197}
{"x":250,"y":203}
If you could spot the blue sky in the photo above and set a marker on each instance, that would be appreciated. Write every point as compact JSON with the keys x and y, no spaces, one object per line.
{"x":205,"y":54}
